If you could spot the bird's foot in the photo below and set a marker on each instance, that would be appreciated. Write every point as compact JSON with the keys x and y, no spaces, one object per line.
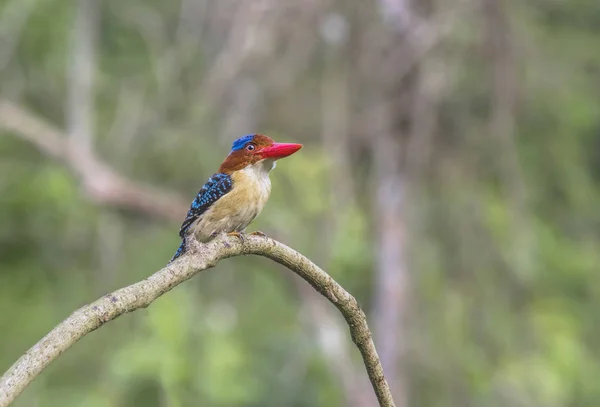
{"x":258,"y":233}
{"x":238,"y":235}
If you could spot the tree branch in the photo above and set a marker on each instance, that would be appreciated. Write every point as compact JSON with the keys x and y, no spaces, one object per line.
{"x":200,"y":257}
{"x":119,"y":191}
{"x":101,"y":183}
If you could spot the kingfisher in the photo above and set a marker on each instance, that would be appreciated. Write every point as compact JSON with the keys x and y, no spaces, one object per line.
{"x":237,"y":193}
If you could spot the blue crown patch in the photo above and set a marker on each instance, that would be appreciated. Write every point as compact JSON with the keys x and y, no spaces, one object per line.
{"x":241,"y":142}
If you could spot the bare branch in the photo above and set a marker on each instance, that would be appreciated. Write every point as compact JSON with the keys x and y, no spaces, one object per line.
{"x":200,"y":257}
{"x":122,"y":192}
{"x":101,"y":183}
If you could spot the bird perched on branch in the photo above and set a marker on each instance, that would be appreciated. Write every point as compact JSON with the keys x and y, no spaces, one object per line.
{"x":237,"y":193}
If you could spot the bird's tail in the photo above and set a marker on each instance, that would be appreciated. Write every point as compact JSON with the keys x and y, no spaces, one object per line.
{"x":180,"y":251}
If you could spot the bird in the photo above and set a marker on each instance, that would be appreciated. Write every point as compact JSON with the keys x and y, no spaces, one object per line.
{"x":233,"y":196}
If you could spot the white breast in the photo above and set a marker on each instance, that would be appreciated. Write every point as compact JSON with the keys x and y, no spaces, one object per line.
{"x":258,"y":176}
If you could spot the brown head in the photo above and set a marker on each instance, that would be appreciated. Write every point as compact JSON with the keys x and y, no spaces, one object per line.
{"x":253,"y":148}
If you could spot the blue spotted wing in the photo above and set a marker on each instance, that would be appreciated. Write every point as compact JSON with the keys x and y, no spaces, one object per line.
{"x":216,"y":186}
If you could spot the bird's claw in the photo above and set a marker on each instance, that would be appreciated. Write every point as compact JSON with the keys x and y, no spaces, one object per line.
{"x":238,"y":235}
{"x":258,"y":233}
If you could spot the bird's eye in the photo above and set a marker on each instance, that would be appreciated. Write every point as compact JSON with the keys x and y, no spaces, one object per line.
{"x":250,"y":147}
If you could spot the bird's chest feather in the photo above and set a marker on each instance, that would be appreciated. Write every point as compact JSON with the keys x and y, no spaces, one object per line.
{"x":236,"y":209}
{"x":251,"y":191}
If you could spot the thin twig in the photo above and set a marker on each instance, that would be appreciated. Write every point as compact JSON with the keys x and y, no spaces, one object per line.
{"x":201,"y":257}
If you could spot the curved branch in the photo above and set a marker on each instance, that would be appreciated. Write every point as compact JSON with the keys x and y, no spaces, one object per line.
{"x":105,"y":186}
{"x":200,"y":257}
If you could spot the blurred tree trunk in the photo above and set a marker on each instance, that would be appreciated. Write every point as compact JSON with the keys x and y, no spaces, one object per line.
{"x":392,"y":276}
{"x":403,"y":129}
{"x":391,"y":287}
{"x":80,"y":103}
{"x":499,"y":42}
{"x":335,"y":100}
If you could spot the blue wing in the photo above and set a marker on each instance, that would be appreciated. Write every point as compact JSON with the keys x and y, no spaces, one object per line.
{"x":216,"y":186}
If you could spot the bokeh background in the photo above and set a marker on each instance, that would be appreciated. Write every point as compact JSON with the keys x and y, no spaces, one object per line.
{"x":450,"y":180}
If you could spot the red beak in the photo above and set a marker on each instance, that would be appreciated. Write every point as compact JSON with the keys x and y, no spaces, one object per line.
{"x":279,"y":150}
